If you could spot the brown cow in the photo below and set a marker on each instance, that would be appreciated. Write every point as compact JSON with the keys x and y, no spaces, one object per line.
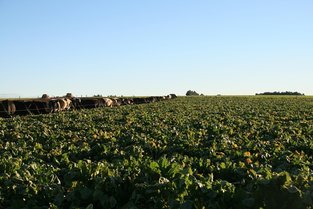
{"x":7,"y":108}
{"x":108,"y":102}
{"x":76,"y":103}
{"x":116,"y":101}
{"x":172,"y":96}
{"x":69,"y":103}
{"x":54,"y":105}
{"x":127,"y":101}
{"x":139,"y":100}
{"x":51,"y":106}
{"x":39,"y":106}
{"x":65,"y":104}
{"x":89,"y":103}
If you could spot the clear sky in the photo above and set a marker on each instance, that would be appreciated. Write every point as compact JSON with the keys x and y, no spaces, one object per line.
{"x":132,"y":47}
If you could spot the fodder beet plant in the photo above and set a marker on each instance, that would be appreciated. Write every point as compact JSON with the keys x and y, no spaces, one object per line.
{"x":197,"y":152}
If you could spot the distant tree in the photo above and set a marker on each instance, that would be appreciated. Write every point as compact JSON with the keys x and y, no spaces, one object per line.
{"x":192,"y":93}
{"x":281,"y":93}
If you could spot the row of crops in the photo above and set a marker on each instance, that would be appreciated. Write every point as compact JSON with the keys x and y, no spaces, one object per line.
{"x":198,"y":152}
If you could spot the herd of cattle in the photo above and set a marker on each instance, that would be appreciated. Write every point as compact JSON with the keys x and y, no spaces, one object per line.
{"x":45,"y":105}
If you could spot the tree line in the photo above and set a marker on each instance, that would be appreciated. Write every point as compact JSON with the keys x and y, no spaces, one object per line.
{"x":281,"y":93}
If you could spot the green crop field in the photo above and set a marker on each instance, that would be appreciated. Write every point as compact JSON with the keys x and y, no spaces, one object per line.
{"x":190,"y":152}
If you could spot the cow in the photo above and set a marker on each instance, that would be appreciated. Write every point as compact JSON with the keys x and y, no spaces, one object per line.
{"x":69,"y":103}
{"x":100,"y":102}
{"x":35,"y":108}
{"x":127,"y":101}
{"x":23,"y":107}
{"x":139,"y":100}
{"x":89,"y":103}
{"x":85,"y":102}
{"x":172,"y":96}
{"x":54,"y":105}
{"x":116,"y":101}
{"x":39,"y":107}
{"x":7,"y":108}
{"x":152,"y":99}
{"x":77,"y":103}
{"x":65,"y":104}
{"x":107,"y":102}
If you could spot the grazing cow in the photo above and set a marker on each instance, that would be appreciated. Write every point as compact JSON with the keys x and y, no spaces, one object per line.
{"x":39,"y":107}
{"x":89,"y":103}
{"x":172,"y":96}
{"x":116,"y":101}
{"x":69,"y":103}
{"x":100,"y":102}
{"x":54,"y":105}
{"x":107,"y":102}
{"x":7,"y":108}
{"x":34,"y":107}
{"x":156,"y":99}
{"x":77,"y":103}
{"x":139,"y":100}
{"x":23,"y":107}
{"x":65,"y":104}
{"x":152,"y":99}
{"x":127,"y":101}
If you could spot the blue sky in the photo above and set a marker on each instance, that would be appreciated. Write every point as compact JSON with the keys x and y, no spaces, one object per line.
{"x":155,"y":47}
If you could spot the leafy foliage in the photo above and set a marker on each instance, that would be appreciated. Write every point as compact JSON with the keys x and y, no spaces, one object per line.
{"x":192,"y":93}
{"x":197,"y":152}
